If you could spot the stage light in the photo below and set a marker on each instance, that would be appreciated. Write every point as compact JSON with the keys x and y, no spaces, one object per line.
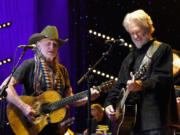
{"x":103,"y":36}
{"x":108,"y":37}
{"x":116,"y":79}
{"x":8,"y":23}
{"x":9,"y":60}
{"x":125,"y":44}
{"x":98,"y":72}
{"x":4,"y":25}
{"x":90,"y":31}
{"x":102,"y":74}
{"x":130,"y":45}
{"x":107,"y":75}
{"x":112,"y":77}
{"x":99,"y":34}
{"x":5,"y":61}
{"x":94,"y":71}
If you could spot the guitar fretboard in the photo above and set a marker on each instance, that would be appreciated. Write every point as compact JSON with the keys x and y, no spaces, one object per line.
{"x":68,"y":100}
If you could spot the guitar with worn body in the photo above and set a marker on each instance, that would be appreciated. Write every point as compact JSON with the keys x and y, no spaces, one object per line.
{"x":64,"y":125}
{"x":49,"y":107}
{"x":126,"y":113}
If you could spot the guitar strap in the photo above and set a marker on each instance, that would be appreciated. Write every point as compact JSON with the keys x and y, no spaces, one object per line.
{"x":148,"y":57}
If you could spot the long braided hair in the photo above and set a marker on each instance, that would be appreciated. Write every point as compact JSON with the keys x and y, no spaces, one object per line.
{"x":46,"y":77}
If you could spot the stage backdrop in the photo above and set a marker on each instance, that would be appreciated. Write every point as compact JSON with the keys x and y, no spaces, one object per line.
{"x":29,"y":17}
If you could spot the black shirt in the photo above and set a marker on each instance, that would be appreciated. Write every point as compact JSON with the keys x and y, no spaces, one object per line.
{"x":25,"y":75}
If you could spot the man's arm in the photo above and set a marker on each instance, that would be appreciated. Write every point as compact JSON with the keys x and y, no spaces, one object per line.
{"x":13,"y":98}
{"x":94,"y":95}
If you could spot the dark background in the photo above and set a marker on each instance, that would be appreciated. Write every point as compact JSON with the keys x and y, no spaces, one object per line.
{"x":106,"y":16}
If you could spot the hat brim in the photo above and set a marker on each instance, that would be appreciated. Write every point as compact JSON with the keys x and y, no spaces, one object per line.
{"x":38,"y":36}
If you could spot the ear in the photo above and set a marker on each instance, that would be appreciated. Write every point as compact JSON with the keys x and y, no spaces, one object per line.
{"x":38,"y":44}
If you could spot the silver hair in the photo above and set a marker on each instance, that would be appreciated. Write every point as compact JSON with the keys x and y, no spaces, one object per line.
{"x":141,"y":17}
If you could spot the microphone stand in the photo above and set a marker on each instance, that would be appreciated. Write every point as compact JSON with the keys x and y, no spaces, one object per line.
{"x":85,"y":76}
{"x":3,"y":95}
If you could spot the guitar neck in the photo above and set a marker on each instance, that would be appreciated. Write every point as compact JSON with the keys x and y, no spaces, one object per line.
{"x":68,"y":100}
{"x":126,"y":91}
{"x":123,"y":100}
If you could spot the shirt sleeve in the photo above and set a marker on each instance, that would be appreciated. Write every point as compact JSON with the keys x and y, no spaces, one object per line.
{"x":21,"y":73}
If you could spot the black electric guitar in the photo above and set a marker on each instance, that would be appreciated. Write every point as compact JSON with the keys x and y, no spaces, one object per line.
{"x":126,"y":113}
{"x":50,"y":108}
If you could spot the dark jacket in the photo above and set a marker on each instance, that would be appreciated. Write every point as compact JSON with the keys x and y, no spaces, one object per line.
{"x":152,"y":102}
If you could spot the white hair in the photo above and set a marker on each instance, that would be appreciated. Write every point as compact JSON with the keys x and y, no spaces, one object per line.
{"x":141,"y":17}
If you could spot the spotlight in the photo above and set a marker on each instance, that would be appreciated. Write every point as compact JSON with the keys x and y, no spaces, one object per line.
{"x":102,"y":74}
{"x":112,"y":77}
{"x":107,"y":75}
{"x":4,"y":61}
{"x":94,"y":71}
{"x":130,"y":45}
{"x":90,"y":31}
{"x":107,"y":37}
{"x":98,"y":72}
{"x":99,"y":34}
{"x":9,"y":60}
{"x":4,"y":25}
{"x":94,"y":32}
{"x":8,"y":23}
{"x":103,"y":36}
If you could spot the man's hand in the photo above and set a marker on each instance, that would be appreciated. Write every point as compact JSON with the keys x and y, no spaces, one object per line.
{"x":134,"y":85}
{"x":110,"y":112}
{"x":94,"y":93}
{"x":29,"y":112}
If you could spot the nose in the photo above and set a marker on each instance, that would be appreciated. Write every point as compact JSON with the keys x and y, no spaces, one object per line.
{"x":52,"y":46}
{"x":135,"y":36}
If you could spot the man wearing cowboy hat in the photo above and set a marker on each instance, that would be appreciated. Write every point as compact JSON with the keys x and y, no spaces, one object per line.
{"x":42,"y":73}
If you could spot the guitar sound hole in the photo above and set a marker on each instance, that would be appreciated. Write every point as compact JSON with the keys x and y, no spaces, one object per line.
{"x":45,"y":108}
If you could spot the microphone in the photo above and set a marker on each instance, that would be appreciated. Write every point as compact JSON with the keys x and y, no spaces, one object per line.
{"x":115,"y":41}
{"x":33,"y":46}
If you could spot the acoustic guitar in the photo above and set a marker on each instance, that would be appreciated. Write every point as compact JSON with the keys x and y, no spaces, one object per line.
{"x":126,"y":113}
{"x":49,"y":107}
{"x":64,"y":125}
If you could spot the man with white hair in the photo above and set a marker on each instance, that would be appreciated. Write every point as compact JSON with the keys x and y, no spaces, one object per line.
{"x":152,"y":94}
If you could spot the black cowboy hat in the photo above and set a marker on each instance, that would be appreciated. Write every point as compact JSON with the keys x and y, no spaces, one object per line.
{"x":48,"y":32}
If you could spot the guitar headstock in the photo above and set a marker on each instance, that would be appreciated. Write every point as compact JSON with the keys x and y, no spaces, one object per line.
{"x":140,"y":73}
{"x":105,"y":86}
